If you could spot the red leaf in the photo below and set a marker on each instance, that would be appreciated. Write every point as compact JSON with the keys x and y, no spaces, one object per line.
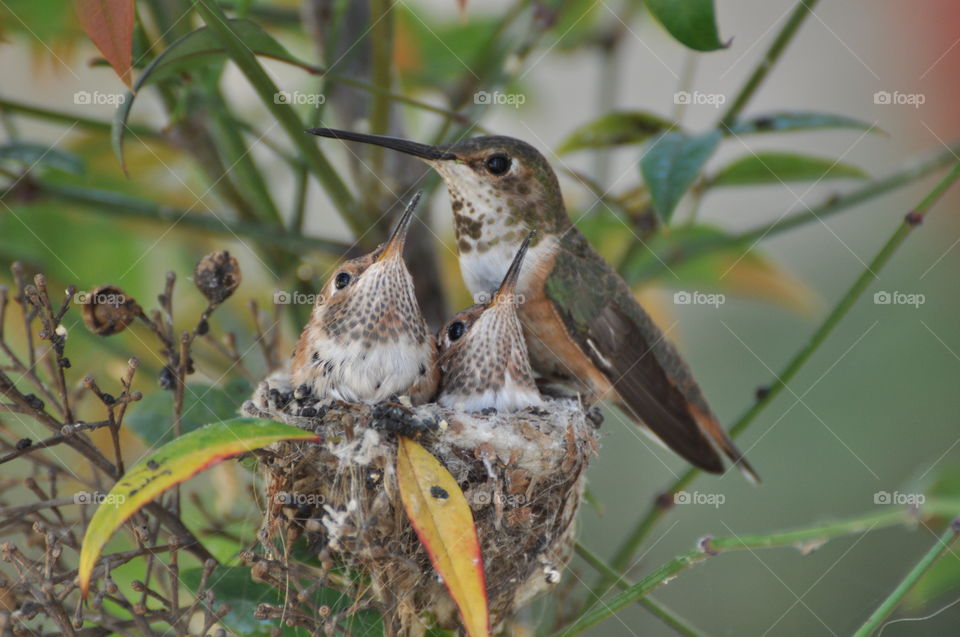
{"x":109,"y":23}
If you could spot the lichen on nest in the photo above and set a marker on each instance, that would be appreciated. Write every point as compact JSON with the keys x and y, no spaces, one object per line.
{"x":522,"y":474}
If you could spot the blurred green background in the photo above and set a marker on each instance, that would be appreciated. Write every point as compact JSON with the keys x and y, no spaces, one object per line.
{"x":874,"y":410}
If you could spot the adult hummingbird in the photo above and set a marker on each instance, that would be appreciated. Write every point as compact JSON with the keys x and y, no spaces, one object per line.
{"x":582,"y":324}
{"x":483,"y":354}
{"x":366,"y":339}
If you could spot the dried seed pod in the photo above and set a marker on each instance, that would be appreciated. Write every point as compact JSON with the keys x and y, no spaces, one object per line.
{"x":108,"y":310}
{"x":217,"y":276}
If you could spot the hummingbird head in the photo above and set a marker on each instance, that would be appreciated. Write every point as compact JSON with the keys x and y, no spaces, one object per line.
{"x":500,"y":189}
{"x":366,"y":339}
{"x":483,"y":354}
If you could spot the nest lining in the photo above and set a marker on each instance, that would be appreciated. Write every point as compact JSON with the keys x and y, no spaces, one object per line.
{"x":522,"y":474}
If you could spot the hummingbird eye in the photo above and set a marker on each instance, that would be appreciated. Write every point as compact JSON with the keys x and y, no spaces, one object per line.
{"x":342,"y":280}
{"x":456,"y":330}
{"x":498,"y":164}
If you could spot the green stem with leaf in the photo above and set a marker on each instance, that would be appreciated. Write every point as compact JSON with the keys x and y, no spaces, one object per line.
{"x":802,"y":539}
{"x":800,"y":13}
{"x":628,"y":549}
{"x":943,"y":544}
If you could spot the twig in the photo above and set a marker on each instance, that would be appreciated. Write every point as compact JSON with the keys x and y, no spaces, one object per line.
{"x":802,"y":539}
{"x":625,"y":553}
{"x":662,"y":613}
{"x":800,"y":13}
{"x":944,"y":542}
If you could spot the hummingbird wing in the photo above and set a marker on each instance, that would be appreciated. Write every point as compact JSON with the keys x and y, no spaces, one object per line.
{"x":648,"y":374}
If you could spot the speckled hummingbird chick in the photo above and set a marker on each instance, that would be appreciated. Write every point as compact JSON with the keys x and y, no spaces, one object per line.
{"x":483,"y":356}
{"x":366,"y":339}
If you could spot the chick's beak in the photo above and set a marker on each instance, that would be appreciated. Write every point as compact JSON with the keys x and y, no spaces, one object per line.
{"x":393,"y":248}
{"x":507,"y":291}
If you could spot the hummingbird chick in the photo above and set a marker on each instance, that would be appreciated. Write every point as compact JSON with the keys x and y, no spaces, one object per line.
{"x":483,"y":356}
{"x":366,"y":339}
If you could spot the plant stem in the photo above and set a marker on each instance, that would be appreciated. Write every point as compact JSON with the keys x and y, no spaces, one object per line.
{"x":662,"y":613}
{"x":126,"y":206}
{"x":883,"y":611}
{"x":248,"y":64}
{"x":625,"y":553}
{"x":799,"y":538}
{"x":800,"y":13}
{"x":915,"y":169}
{"x":90,"y":123}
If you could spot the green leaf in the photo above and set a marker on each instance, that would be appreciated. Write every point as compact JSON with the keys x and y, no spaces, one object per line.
{"x":691,"y":22}
{"x":777,"y":167}
{"x":233,"y":586}
{"x":152,"y":419}
{"x":169,"y":466}
{"x":783,"y":122}
{"x":727,"y":271}
{"x":31,"y":154}
{"x":672,"y":163}
{"x":198,"y":49}
{"x":615,"y":129}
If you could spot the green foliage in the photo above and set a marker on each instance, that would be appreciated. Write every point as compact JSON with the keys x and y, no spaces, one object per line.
{"x":201,"y":404}
{"x":233,"y":586}
{"x":777,"y":167}
{"x":671,"y":164}
{"x":691,"y":22}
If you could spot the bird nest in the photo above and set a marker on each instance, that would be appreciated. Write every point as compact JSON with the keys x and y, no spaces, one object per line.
{"x":522,"y":474}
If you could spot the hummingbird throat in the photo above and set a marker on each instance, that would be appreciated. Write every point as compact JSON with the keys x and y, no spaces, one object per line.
{"x":488,"y":237}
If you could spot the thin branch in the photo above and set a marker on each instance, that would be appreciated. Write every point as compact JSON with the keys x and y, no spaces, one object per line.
{"x":625,"y":553}
{"x":800,"y":13}
{"x":943,"y":544}
{"x":802,"y":539}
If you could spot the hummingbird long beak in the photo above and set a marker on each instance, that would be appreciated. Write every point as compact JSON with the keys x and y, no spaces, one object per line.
{"x":393,"y":248}
{"x":423,"y":151}
{"x":506,"y":292}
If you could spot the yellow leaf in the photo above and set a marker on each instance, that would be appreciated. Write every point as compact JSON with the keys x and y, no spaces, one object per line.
{"x":440,"y":515}
{"x":167,"y":467}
